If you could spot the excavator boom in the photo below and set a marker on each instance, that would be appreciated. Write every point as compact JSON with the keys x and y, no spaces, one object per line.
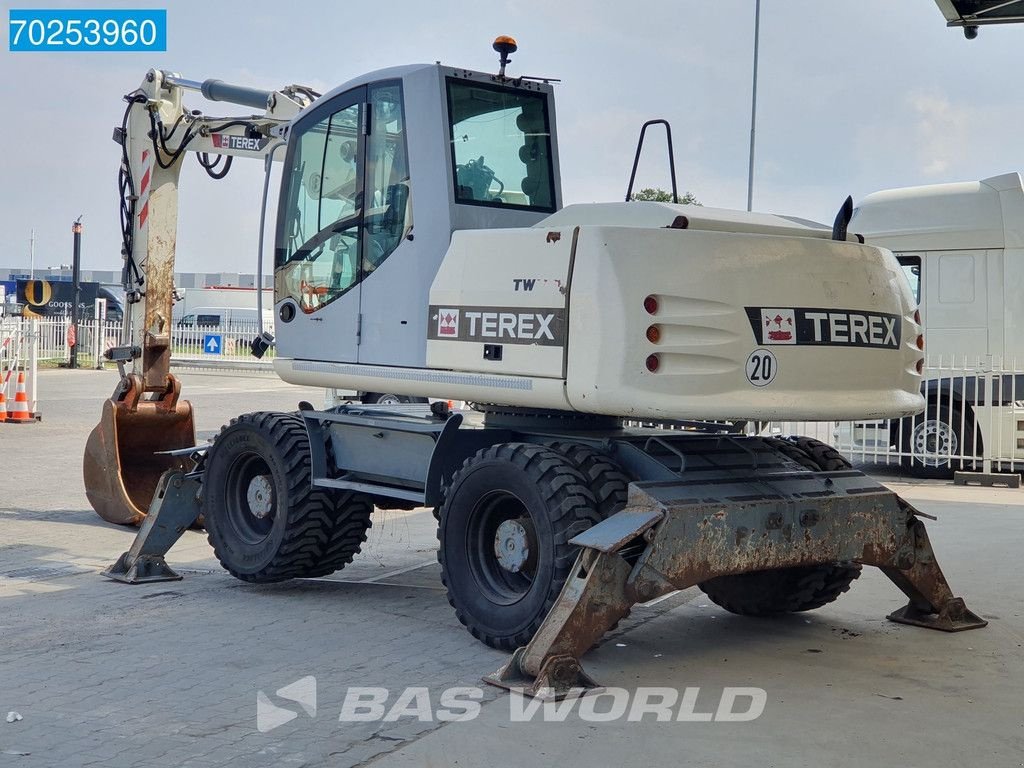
{"x":145,"y":418}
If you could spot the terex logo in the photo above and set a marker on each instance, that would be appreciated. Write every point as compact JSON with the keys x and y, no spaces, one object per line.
{"x":824,"y":327}
{"x":854,"y":328}
{"x":244,"y":143}
{"x":507,"y":325}
{"x":511,"y":325}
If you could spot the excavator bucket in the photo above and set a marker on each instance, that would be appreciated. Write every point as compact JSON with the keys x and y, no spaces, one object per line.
{"x":123,"y":457}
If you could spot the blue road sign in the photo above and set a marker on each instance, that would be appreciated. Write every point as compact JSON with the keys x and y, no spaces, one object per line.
{"x":212,"y":343}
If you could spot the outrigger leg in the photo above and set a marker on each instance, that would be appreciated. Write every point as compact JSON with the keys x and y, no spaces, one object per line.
{"x":175,"y":508}
{"x":674,"y":536}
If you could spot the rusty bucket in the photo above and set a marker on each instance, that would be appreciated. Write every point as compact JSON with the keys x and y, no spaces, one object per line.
{"x":122,"y":462}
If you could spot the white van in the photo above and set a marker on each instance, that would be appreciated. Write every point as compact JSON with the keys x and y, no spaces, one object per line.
{"x":226,"y":318}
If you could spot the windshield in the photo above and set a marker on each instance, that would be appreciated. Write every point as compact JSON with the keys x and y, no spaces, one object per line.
{"x":501,"y":146}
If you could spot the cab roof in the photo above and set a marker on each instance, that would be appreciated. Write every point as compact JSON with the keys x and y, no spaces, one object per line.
{"x":962,"y":215}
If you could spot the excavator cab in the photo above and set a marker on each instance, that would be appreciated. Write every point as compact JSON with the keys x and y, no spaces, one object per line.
{"x":378,"y":174}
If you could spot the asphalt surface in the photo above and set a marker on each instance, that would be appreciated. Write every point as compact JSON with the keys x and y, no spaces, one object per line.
{"x":105,"y":674}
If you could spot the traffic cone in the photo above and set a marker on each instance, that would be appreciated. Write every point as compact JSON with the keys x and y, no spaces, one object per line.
{"x":3,"y":404}
{"x":20,"y":413}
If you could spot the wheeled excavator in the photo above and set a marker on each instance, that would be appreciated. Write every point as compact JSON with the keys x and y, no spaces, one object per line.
{"x":421,"y":247}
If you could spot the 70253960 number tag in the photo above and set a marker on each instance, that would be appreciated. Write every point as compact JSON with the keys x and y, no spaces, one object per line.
{"x":761,"y":367}
{"x":76,"y":30}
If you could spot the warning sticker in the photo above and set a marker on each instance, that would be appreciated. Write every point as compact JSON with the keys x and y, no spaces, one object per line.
{"x":779,"y":326}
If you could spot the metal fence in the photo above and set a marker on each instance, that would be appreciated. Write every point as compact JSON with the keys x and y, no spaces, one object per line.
{"x":227,"y":343}
{"x":973,"y":420}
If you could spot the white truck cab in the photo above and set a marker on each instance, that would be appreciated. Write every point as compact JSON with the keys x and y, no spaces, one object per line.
{"x":962,"y":248}
{"x":962,"y":245}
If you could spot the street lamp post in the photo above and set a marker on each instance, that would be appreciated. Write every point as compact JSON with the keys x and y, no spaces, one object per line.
{"x":753,"y":108}
{"x":76,"y":271}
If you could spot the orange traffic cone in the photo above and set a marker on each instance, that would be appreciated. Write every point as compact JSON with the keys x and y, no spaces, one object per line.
{"x":20,"y":413}
{"x":3,"y":403}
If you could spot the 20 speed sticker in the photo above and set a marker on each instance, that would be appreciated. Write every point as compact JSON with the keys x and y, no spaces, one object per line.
{"x":761,"y":368}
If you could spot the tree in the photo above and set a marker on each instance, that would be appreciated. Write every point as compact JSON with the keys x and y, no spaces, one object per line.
{"x":661,"y":196}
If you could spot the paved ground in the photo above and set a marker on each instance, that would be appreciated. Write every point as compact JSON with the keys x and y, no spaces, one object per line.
{"x":168,"y":675}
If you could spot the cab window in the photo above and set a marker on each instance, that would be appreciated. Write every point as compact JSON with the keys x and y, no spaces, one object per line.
{"x":912,"y":269}
{"x":388,"y":214}
{"x":346,"y":202}
{"x":317,"y":254}
{"x":501,"y":146}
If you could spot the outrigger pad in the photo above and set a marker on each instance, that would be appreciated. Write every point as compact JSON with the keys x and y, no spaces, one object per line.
{"x":175,"y":507}
{"x":954,"y":617}
{"x":146,"y":568}
{"x":561,"y":677}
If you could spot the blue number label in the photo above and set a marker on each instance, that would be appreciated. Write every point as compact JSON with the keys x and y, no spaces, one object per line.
{"x":85,"y":30}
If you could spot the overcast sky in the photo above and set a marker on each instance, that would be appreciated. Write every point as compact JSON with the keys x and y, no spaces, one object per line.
{"x":854,"y":96}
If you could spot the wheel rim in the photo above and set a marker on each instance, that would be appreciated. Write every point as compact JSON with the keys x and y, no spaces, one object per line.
{"x":512,"y":545}
{"x":389,"y":400}
{"x":251,"y":497}
{"x":934,"y":442}
{"x":501,"y":545}
{"x":260,"y":496}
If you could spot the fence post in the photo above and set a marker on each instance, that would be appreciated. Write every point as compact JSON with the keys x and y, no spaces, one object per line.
{"x":986,"y":451}
{"x":33,"y":363}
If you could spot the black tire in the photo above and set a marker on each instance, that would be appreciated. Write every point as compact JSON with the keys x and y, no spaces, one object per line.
{"x":810,"y":453}
{"x":790,"y":450}
{"x":929,"y":440}
{"x":605,"y":478}
{"x":788,"y":590}
{"x":524,"y":485}
{"x":346,"y":529}
{"x":388,"y":398}
{"x":264,"y":519}
{"x":610,"y":485}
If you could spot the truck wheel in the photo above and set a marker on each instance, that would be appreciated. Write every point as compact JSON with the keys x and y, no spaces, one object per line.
{"x":788,"y":590}
{"x":387,"y":398}
{"x":264,"y":519}
{"x":347,"y":524}
{"x":506,"y":522}
{"x":605,"y":478}
{"x":931,"y":440}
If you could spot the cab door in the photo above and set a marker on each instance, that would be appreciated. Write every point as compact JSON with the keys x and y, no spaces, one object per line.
{"x":394,"y":286}
{"x":319,"y":243}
